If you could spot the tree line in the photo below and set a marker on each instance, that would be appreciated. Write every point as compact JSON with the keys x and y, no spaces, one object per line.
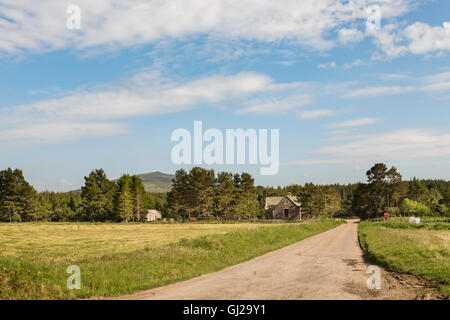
{"x":100,"y":199}
{"x":203,"y":194}
{"x":384,"y":191}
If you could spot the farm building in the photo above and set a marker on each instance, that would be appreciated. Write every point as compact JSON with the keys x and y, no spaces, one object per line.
{"x":287,"y":207}
{"x":152,"y":215}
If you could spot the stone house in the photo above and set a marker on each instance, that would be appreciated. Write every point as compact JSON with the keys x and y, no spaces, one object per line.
{"x":152,"y":215}
{"x":287,"y":208}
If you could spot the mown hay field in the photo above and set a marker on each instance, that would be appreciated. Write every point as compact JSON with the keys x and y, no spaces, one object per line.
{"x":71,"y":242}
{"x":117,"y":259}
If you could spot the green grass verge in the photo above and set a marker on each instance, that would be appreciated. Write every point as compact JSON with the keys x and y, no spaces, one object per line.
{"x":112,"y":274}
{"x":420,"y":250}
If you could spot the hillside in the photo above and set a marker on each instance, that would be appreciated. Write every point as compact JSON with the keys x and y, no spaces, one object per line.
{"x":156,"y":181}
{"x":153,"y":181}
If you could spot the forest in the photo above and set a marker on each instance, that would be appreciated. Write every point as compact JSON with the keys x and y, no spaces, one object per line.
{"x":203,"y":194}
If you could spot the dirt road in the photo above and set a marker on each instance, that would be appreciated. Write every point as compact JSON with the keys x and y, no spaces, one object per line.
{"x":329,"y":265}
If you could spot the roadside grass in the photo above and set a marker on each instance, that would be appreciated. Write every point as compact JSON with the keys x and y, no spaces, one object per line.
{"x":431,"y":223}
{"x":408,"y":248}
{"x":118,"y":259}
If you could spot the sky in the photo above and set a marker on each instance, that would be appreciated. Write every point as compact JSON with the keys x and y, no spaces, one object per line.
{"x":343,"y":91}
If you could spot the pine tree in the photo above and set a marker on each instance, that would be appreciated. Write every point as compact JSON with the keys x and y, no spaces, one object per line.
{"x":225,"y":192}
{"x":123,"y":199}
{"x":201,"y":192}
{"x":383,"y":183}
{"x":17,"y":197}
{"x":96,"y":197}
{"x":139,"y":198}
{"x":178,"y":196}
{"x":248,"y":197}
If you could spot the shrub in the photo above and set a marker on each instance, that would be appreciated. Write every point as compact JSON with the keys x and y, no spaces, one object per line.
{"x":416,"y":208}
{"x":394,"y":211}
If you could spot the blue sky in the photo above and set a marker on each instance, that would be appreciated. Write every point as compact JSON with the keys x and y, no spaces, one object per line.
{"x":109,"y":95}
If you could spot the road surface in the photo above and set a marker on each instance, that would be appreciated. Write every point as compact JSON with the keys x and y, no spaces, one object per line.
{"x":329,"y":265}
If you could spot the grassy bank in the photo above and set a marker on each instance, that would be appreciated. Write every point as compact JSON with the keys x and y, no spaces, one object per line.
{"x":118,"y":259}
{"x":419,"y":249}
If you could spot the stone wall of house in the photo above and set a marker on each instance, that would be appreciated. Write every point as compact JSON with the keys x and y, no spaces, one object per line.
{"x":285,"y":204}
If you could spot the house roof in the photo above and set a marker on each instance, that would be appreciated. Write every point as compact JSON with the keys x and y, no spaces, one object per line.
{"x":273,"y":201}
{"x":153,"y":211}
{"x":294,"y":200}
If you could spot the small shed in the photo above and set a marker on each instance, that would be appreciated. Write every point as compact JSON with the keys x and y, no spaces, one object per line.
{"x":152,"y":215}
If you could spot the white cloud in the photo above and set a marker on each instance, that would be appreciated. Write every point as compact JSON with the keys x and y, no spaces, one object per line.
{"x":27,"y":26}
{"x":355,"y":63}
{"x":354,"y":123}
{"x":88,"y":113}
{"x":417,"y":38}
{"x":348,"y":36}
{"x":389,"y":39}
{"x":275,"y":105}
{"x":393,"y":76}
{"x":400,"y":144}
{"x":145,"y":94}
{"x":383,"y":147}
{"x":315,"y":114}
{"x":377,"y":91}
{"x":424,"y":38}
{"x":441,"y":86}
{"x":439,"y":82}
{"x":312,"y":162}
{"x":438,"y":77}
{"x":345,"y":138}
{"x":52,"y":132}
{"x":328,"y":65}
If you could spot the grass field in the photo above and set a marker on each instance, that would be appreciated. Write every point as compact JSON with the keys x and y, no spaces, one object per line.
{"x":423,"y":250}
{"x":118,"y":259}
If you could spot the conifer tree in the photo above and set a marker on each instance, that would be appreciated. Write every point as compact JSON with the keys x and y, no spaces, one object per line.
{"x":139,"y":198}
{"x":96,"y":197}
{"x":123,"y":199}
{"x":17,"y":197}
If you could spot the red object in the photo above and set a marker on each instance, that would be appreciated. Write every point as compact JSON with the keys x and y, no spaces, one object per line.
{"x":386,"y":216}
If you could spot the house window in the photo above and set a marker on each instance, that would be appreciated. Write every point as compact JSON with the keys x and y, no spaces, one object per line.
{"x":286,"y":213}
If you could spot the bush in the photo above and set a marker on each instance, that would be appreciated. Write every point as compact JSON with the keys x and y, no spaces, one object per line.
{"x":394,"y":211}
{"x":411,"y":207}
{"x":442,"y":210}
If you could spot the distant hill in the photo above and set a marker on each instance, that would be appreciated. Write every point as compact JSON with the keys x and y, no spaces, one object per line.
{"x":157,"y":181}
{"x":153,"y":182}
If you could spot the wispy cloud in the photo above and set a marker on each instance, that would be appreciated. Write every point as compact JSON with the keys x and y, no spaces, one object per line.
{"x":439,"y":82}
{"x":307,"y":23}
{"x":400,"y":144}
{"x":382,"y":147}
{"x":329,"y":65}
{"x":54,"y":132}
{"x":89,"y":113}
{"x":355,"y":123}
{"x":348,"y":36}
{"x":315,"y":114}
{"x":276,"y":105}
{"x":377,"y":91}
{"x":355,"y":63}
{"x":424,"y":38}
